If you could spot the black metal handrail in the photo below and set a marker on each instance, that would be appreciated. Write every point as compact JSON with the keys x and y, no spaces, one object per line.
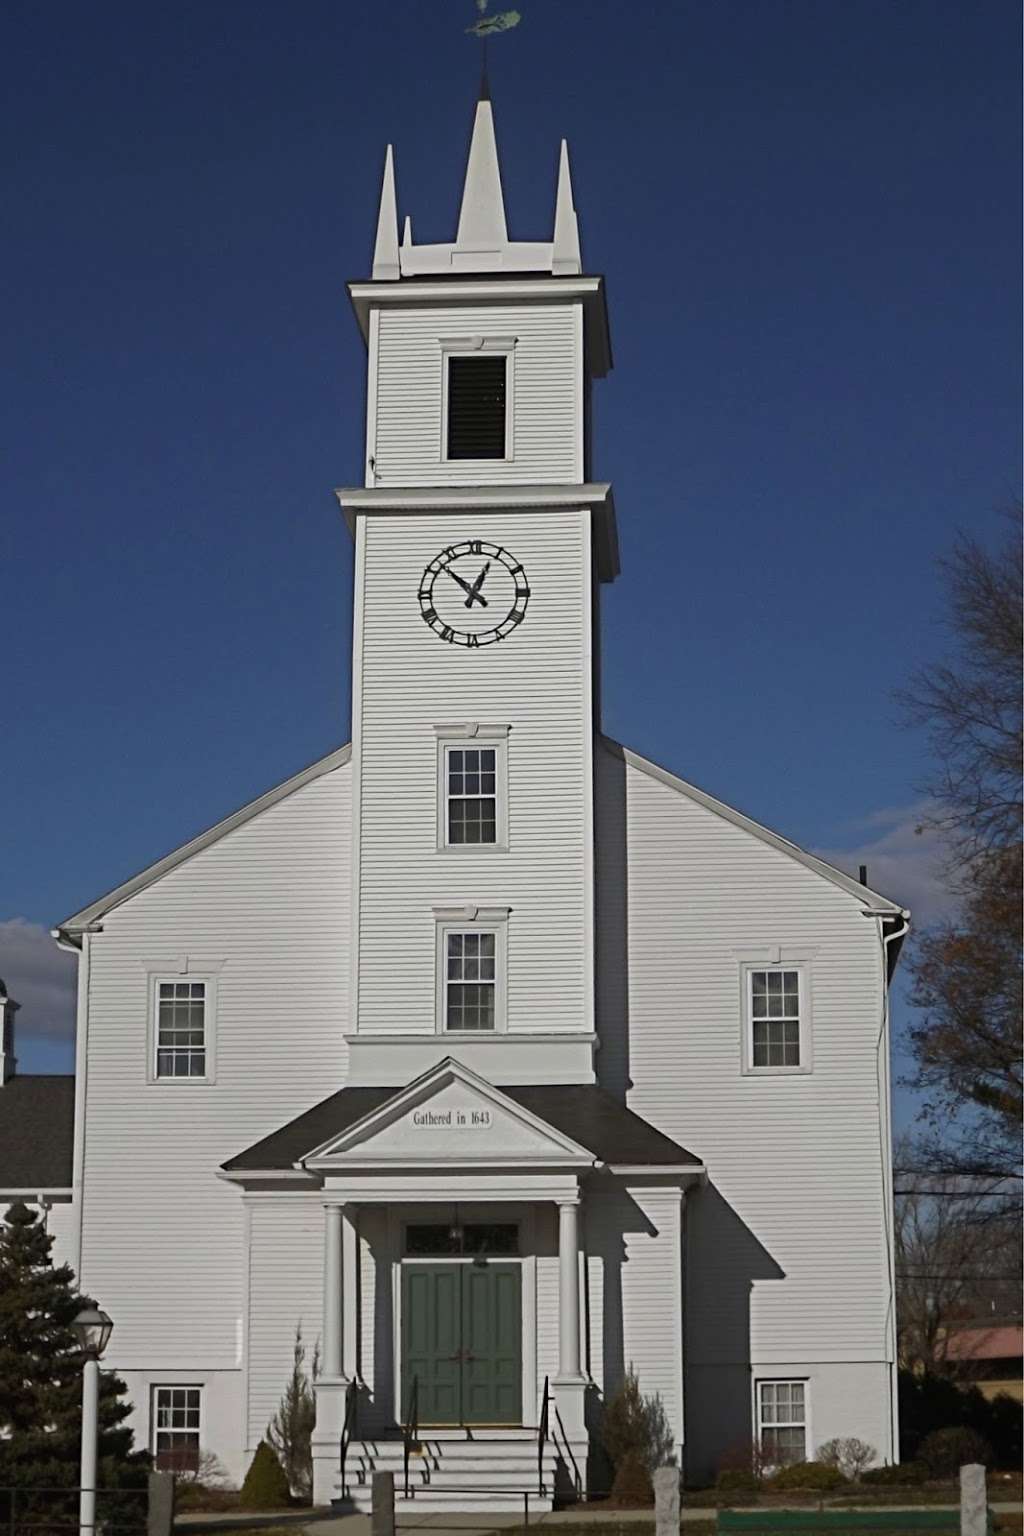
{"x":348,"y":1430}
{"x":410,"y":1429}
{"x":577,"y":1481}
{"x":542,"y":1435}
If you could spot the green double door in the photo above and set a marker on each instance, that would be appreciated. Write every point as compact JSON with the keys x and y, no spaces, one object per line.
{"x":462,"y":1341}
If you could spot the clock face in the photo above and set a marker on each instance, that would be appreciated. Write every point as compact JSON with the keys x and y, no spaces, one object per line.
{"x":473,"y":593}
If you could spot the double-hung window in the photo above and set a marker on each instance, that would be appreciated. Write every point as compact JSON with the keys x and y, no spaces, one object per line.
{"x":472,"y":786}
{"x":181,"y":1029}
{"x":471,"y":791}
{"x":176,"y":1421}
{"x":777,"y":1016}
{"x":471,"y":962}
{"x":782,"y":1421}
{"x":471,"y":978}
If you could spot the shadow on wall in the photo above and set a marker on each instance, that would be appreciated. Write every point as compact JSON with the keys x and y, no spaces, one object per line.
{"x":722,"y":1259}
{"x":611,"y":897}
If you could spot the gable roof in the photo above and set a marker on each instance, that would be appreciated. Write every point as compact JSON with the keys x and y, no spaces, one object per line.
{"x":37,"y":1127}
{"x":103,"y":904}
{"x":872,"y":901}
{"x":581,"y":1111}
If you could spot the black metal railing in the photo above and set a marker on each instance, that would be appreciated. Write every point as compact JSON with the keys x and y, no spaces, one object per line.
{"x":410,"y":1429}
{"x":542,"y":1435}
{"x":570,"y":1459}
{"x":348,"y":1430}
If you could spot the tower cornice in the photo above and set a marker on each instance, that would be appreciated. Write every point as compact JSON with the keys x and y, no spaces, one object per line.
{"x":409,"y":500}
{"x":534,"y":289}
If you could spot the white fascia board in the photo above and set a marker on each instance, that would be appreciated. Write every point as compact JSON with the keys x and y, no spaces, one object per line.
{"x":596,"y":495}
{"x":58,"y":1192}
{"x":146,"y":877}
{"x":872,"y":901}
{"x":264,"y":1175}
{"x":411,"y":1094}
{"x":686,"y":1173}
{"x":448,"y":291}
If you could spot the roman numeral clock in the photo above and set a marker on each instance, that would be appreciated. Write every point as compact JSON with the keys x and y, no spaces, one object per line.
{"x":473,"y":593}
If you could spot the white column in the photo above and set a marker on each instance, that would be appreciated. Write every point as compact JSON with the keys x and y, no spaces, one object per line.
{"x":332,"y":1329}
{"x":331,"y":1385}
{"x":570,"y":1385}
{"x":90,"y":1432}
{"x":568,"y":1291}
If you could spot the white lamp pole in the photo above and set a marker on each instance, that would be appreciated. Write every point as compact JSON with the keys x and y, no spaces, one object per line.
{"x":93,"y":1329}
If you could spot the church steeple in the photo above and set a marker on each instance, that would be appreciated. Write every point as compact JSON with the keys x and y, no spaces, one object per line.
{"x":481,"y":242}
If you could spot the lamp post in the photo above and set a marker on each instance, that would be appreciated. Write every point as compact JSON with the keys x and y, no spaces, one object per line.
{"x":92,"y":1329}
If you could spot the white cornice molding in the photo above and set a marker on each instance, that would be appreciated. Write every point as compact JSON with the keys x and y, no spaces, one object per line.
{"x":376,"y":500}
{"x":451,"y":291}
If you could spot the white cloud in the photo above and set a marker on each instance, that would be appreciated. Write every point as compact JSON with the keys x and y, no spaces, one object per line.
{"x":904,"y":864}
{"x":42,"y":978}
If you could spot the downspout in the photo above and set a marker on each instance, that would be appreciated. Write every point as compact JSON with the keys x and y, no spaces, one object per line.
{"x":899,"y":930}
{"x":67,"y":942}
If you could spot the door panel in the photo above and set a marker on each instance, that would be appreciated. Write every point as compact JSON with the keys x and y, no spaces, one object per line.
{"x":492,"y":1344}
{"x":462,"y":1339}
{"x":431,"y":1328}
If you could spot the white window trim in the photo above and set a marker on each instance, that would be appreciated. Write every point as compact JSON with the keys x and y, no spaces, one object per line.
{"x":466,"y":919}
{"x":207,"y":974}
{"x":467,"y":734}
{"x":786,"y":1381}
{"x":186,"y":1386}
{"x":776,"y":960}
{"x":473,"y":346}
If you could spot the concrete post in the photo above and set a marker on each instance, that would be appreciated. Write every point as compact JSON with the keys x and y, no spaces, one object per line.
{"x":973,"y":1501}
{"x":666,"y":1501}
{"x":382,"y":1509}
{"x":90,"y":1434}
{"x":160,"y":1513}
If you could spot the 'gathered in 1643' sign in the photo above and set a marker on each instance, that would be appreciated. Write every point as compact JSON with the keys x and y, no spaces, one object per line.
{"x":452,"y":1119}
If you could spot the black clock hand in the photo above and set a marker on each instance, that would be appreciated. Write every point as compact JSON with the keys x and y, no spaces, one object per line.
{"x":463,"y":584}
{"x":474,"y":591}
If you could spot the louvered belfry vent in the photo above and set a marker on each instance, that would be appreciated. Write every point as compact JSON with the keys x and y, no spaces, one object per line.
{"x":476,"y":407}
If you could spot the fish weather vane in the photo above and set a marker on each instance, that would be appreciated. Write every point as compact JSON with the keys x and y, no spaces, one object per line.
{"x":486,"y":26}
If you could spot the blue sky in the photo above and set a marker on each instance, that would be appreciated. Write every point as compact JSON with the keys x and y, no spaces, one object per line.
{"x":807,"y":212}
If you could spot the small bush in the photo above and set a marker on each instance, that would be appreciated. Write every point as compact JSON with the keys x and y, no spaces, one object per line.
{"x":907,"y":1473}
{"x":945,"y":1451}
{"x":632,"y":1483}
{"x":850,"y":1455}
{"x":265,"y":1486}
{"x":635,"y":1427}
{"x":806,"y":1474}
{"x":744,"y":1456}
{"x":737,"y":1480}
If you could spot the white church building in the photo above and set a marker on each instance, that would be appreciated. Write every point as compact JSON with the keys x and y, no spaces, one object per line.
{"x":492,"y":1054}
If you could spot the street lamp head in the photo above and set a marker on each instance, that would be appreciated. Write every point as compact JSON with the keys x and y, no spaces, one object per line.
{"x":92,"y":1329}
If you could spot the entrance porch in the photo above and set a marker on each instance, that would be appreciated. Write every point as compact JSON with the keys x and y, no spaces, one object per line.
{"x":492,"y":1260}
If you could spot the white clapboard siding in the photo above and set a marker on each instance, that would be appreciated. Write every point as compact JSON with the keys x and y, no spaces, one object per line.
{"x":163,"y":1236}
{"x":535,"y":682}
{"x":787,"y":1246}
{"x":285,"y":1292}
{"x":547,"y":392}
{"x":62,"y":1226}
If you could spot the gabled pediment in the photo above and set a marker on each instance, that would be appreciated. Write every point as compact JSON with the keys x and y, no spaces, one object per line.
{"x":449,"y":1116}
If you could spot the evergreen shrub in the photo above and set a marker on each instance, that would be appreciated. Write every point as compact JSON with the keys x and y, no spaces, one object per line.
{"x":265,"y":1486}
{"x":907,"y":1473}
{"x":945,"y":1451}
{"x":737,"y":1480}
{"x":806,"y":1474}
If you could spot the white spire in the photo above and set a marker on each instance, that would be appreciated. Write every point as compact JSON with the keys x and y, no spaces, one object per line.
{"x":482,"y":215}
{"x":565,"y":254}
{"x":385,"y":252}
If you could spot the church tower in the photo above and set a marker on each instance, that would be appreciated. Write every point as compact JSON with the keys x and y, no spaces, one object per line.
{"x":480,"y":547}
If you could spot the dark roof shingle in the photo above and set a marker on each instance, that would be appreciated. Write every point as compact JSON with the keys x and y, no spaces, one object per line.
{"x":37,"y":1132}
{"x":581,"y":1111}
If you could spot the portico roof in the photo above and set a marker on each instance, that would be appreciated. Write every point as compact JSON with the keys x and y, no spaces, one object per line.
{"x":587,"y":1115}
